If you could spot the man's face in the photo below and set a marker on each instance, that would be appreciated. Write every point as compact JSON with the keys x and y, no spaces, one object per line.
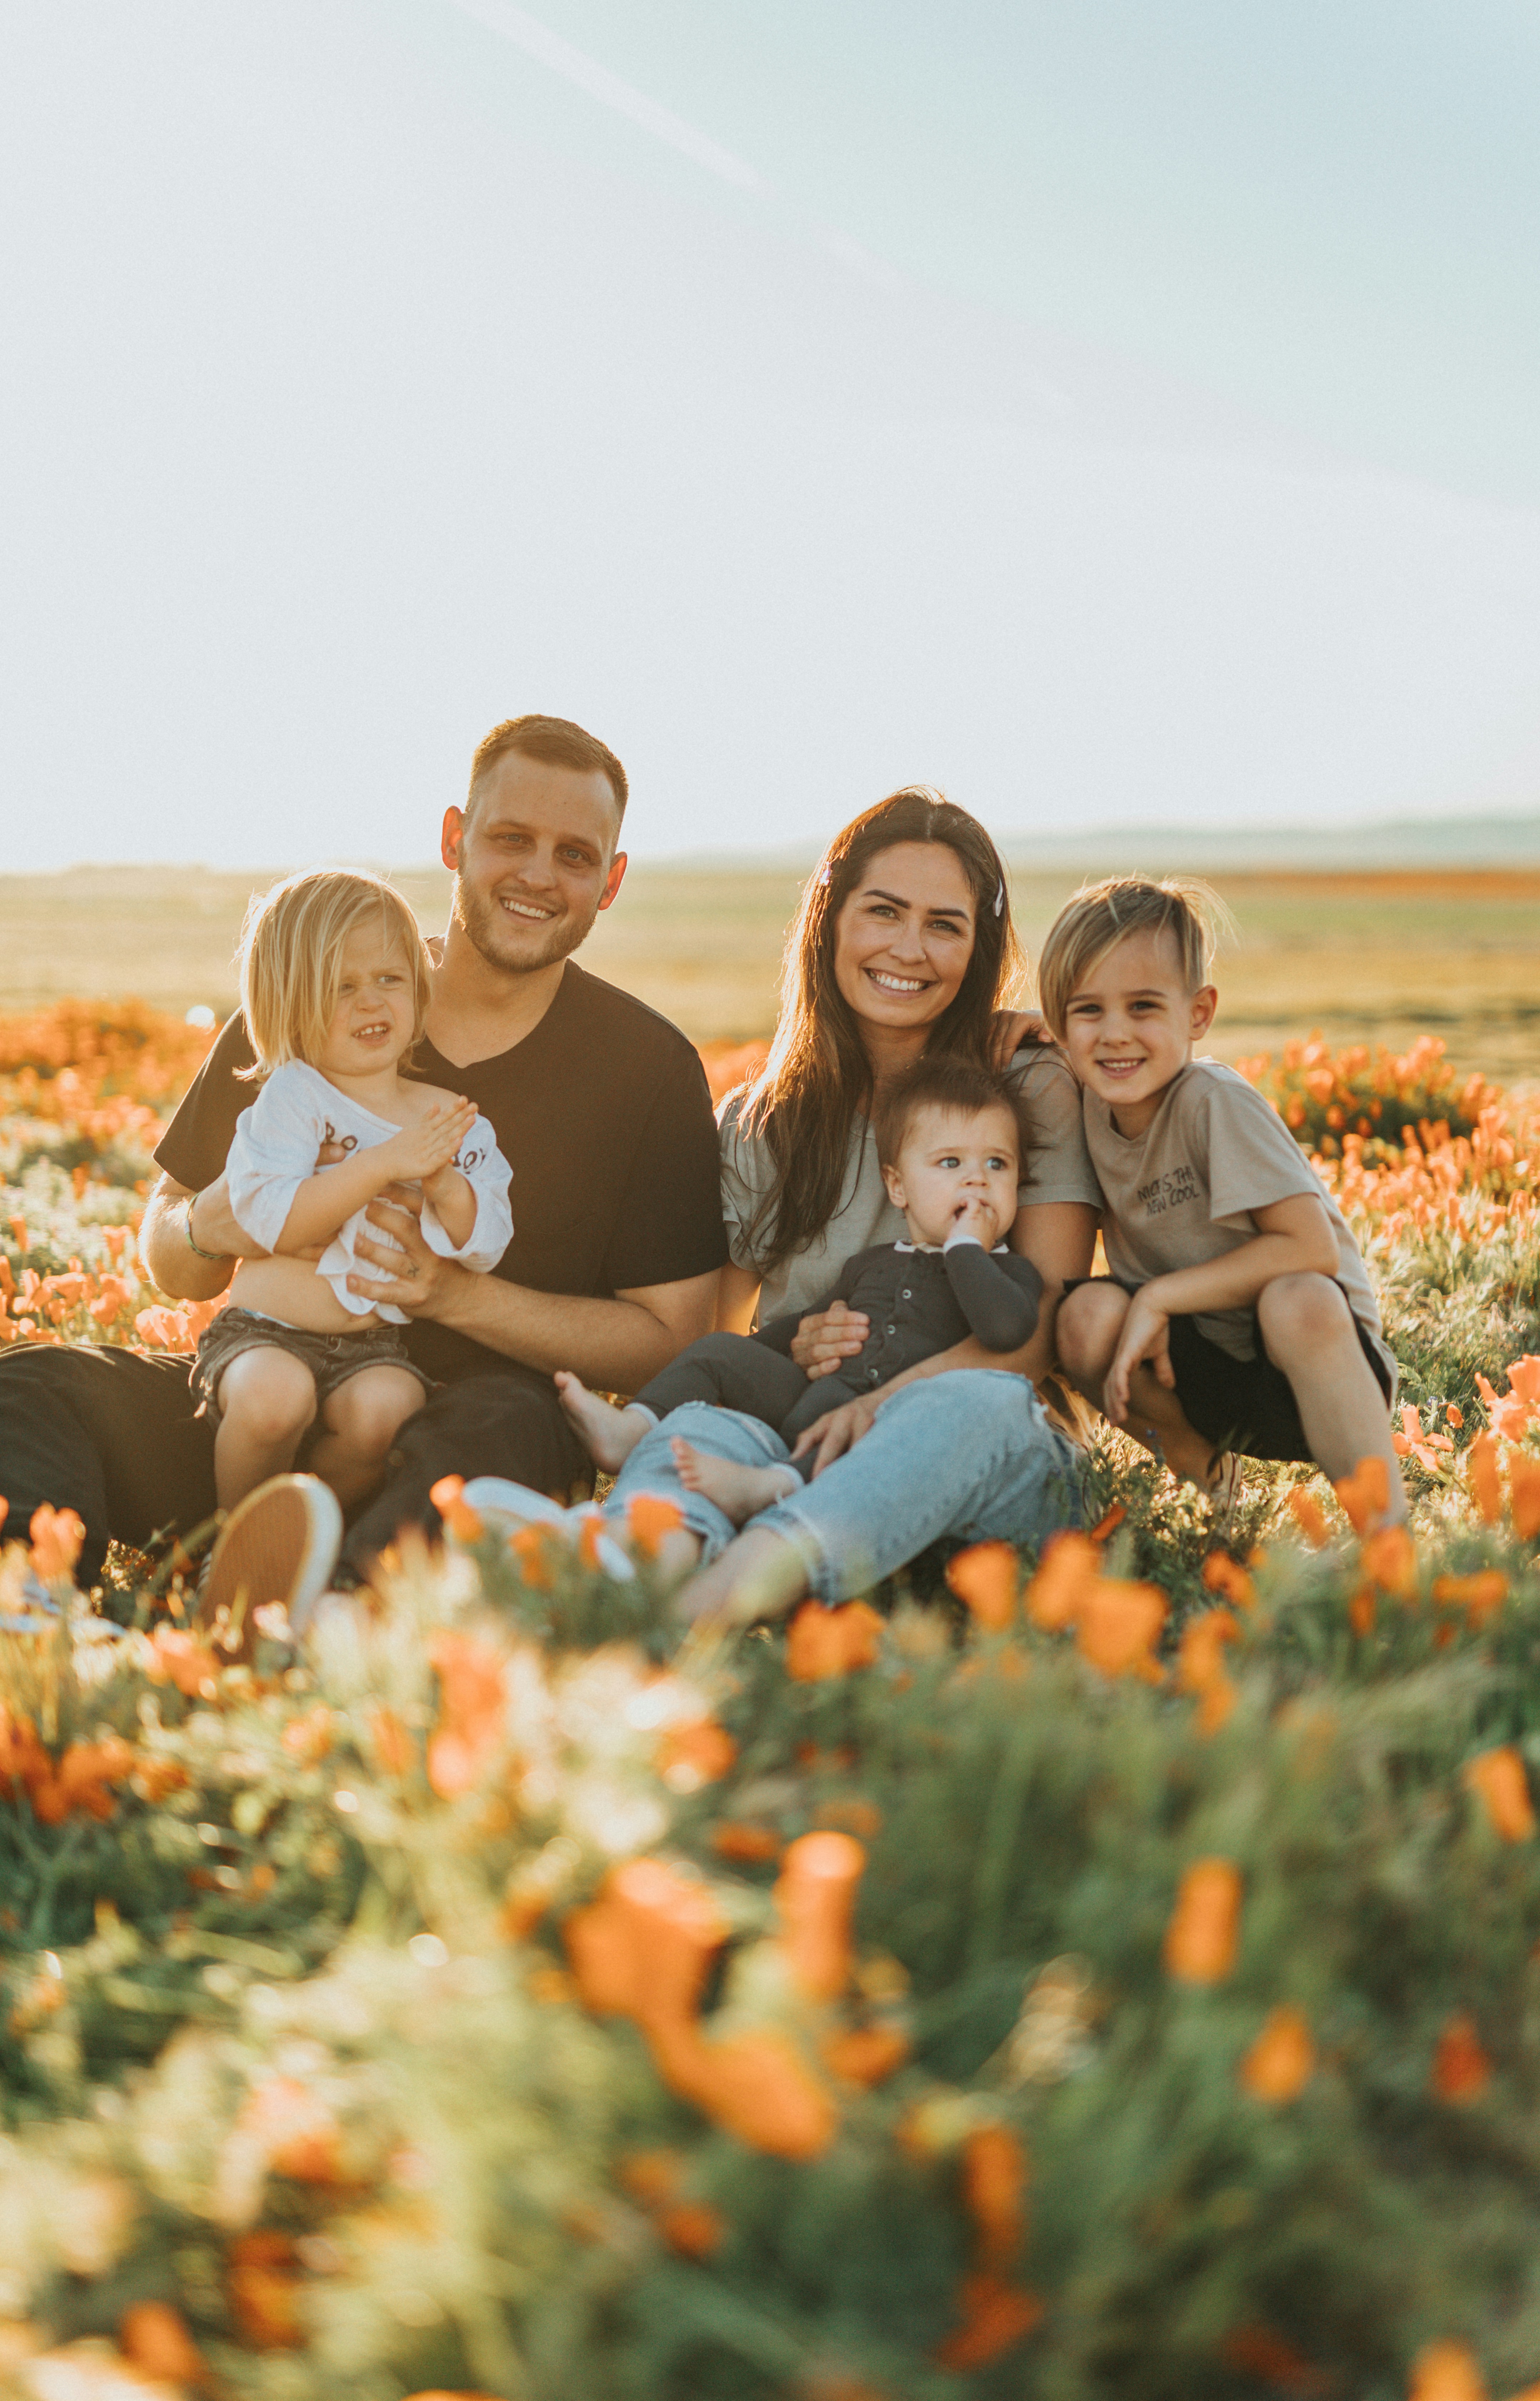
{"x":536,"y":863}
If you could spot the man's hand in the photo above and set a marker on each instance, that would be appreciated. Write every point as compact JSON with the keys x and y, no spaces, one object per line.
{"x":821,"y":1341}
{"x":419,"y":1281}
{"x":839,"y":1431}
{"x":1144,"y":1342}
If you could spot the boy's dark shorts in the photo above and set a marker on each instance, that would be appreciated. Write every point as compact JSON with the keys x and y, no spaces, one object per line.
{"x":1244,"y":1405}
{"x":333,"y":1359}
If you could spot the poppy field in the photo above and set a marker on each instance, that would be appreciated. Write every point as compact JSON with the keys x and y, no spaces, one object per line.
{"x":1112,"y":1975}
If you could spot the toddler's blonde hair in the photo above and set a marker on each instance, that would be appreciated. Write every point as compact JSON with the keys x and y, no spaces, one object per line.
{"x":291,"y":958}
{"x":1102,"y":915}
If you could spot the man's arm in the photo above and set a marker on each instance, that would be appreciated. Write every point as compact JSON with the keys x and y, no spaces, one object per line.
{"x":614,"y":1345}
{"x":173,"y":1264}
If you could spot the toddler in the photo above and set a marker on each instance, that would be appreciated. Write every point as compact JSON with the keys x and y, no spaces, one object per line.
{"x":950,"y":1144}
{"x":1238,"y":1316}
{"x":334,"y":983}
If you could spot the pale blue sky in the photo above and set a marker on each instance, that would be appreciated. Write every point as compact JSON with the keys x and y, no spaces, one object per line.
{"x":1109,"y":411}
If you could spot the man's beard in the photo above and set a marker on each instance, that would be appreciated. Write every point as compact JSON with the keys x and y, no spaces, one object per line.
{"x":491,"y":932}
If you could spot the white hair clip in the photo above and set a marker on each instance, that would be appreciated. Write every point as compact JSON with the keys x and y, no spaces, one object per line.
{"x":825,"y":876}
{"x":999,"y":897}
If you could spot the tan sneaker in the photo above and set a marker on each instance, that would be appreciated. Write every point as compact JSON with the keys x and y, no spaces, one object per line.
{"x":280,"y":1544}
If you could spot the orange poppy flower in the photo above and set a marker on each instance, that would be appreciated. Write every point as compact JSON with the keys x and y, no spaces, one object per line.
{"x":1364,"y":1495}
{"x":1480,"y":1595}
{"x":648,"y":1516}
{"x":815,"y":1895}
{"x":1361,"y":1610}
{"x":745,"y":1844}
{"x":642,"y":1949}
{"x":1389,"y":1559}
{"x":1461,"y":2069}
{"x":57,"y":1535}
{"x":986,"y":1577}
{"x":309,"y":1738}
{"x":823,"y":1642}
{"x":756,"y":2086}
{"x":461,"y":1519}
{"x":995,"y":2317}
{"x":865,"y":2055}
{"x":263,"y":2280}
{"x":1282,"y":2060}
{"x":1107,"y":1527}
{"x":1486,"y":1489}
{"x":689,"y":1756}
{"x":1204,"y":1929}
{"x":532,"y":1546}
{"x":295,"y":2129}
{"x":1069,"y":1565}
{"x":652,"y":2177}
{"x":179,"y":1658}
{"x":1201,"y":1670}
{"x":1118,"y":1626}
{"x":994,"y":2184}
{"x":1446,"y":2371}
{"x":1498,"y":1778}
{"x":1258,"y":2351}
{"x":153,"y":2337}
{"x":473,"y":1711}
{"x":693,"y":2228}
{"x":1221,"y":1575}
{"x":1524,"y":1494}
{"x":392,"y":1743}
{"x":1310,"y":1516}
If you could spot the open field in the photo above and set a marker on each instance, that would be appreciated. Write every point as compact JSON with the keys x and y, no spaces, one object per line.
{"x":1366,"y":958}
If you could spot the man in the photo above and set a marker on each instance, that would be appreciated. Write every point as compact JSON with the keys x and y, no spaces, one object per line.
{"x":600,"y":1105}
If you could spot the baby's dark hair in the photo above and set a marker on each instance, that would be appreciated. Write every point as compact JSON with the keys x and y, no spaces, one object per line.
{"x":945,"y":1080}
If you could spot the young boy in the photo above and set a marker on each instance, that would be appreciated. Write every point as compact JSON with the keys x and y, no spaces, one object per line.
{"x":950,"y":1144}
{"x":1238,"y":1316}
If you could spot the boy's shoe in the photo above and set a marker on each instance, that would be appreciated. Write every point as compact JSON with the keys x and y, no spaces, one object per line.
{"x":1224,"y":1479}
{"x":280,"y":1544}
{"x":504,"y":1506}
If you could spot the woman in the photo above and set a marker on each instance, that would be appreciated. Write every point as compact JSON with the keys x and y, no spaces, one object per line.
{"x":903,"y":944}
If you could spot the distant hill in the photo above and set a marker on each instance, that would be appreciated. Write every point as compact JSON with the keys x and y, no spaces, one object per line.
{"x":1385,"y":844}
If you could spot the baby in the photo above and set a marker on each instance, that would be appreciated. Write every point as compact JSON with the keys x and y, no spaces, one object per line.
{"x":335,"y":985}
{"x":950,"y":1143}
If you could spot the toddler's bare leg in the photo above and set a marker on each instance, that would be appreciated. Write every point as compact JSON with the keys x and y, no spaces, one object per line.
{"x":1310,"y":1334}
{"x":609,"y":1434}
{"x":266,"y":1400}
{"x":362,"y":1419}
{"x":1087,"y":1330}
{"x":740,"y":1492}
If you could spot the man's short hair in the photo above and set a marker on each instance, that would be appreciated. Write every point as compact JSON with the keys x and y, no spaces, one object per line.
{"x":944,"y":1081}
{"x":557,"y":742}
{"x":1102,"y":915}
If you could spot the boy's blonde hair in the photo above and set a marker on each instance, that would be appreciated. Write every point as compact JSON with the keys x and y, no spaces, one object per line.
{"x":1102,"y":915}
{"x":291,"y":958}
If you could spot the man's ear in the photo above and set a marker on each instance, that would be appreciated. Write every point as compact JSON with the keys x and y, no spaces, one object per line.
{"x":613,"y":880}
{"x":1205,"y":1000}
{"x":450,"y":838}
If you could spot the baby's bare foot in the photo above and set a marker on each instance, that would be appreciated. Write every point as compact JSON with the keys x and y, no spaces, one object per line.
{"x":610,"y":1434}
{"x":740,"y":1492}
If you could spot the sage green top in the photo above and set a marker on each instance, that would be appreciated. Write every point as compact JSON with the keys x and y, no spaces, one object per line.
{"x":1058,"y":1169}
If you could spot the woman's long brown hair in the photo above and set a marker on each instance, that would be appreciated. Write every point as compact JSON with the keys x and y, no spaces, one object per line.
{"x":818,"y":1077}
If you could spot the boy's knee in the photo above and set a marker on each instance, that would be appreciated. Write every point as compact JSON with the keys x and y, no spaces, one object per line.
{"x":1086,"y":1330}
{"x":274,"y":1395}
{"x":368,"y":1414}
{"x":1300,"y":1312}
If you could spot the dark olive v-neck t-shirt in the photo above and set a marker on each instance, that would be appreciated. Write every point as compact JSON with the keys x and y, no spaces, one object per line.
{"x":603,"y":1112}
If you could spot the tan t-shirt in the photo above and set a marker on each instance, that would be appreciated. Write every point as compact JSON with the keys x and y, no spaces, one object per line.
{"x":1184,"y":1191}
{"x":1057,"y":1170}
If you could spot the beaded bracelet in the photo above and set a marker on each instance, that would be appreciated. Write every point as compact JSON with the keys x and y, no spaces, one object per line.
{"x":215,"y":1259}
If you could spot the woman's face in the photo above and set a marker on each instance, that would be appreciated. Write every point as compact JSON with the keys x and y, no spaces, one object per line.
{"x":903,"y":938}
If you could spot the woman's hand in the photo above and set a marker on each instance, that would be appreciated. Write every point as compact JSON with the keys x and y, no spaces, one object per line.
{"x":1144,"y":1342}
{"x":1013,"y":1027}
{"x":822,"y":1340}
{"x":417,"y":1283}
{"x":839,"y":1431}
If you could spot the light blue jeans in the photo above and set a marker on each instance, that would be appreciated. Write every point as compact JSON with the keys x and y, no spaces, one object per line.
{"x":969,"y":1454}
